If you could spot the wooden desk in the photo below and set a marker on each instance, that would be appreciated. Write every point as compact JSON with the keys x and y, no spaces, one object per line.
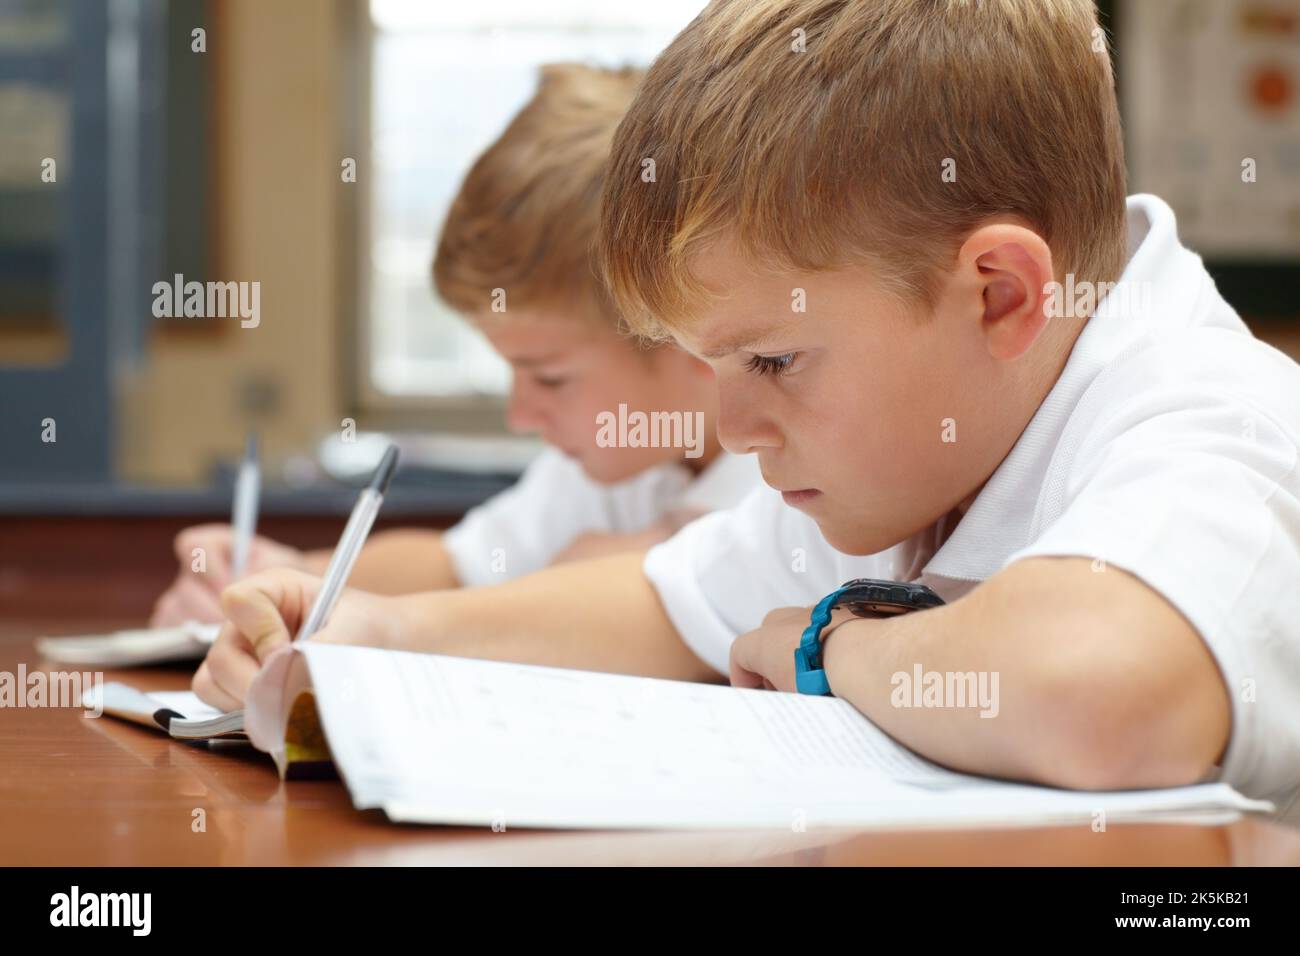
{"x":76,"y":791}
{"x":90,"y":569}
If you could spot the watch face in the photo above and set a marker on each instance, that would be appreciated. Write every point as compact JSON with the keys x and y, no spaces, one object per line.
{"x":875,"y":608}
{"x":867,"y":597}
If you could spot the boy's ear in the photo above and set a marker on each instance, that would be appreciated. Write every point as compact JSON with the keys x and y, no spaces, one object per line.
{"x":1010,"y":266}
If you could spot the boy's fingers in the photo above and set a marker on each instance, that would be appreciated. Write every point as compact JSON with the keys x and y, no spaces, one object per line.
{"x":207,"y":691}
{"x":257,"y":616}
{"x":187,"y":599}
{"x":216,"y":682}
{"x":195,"y":600}
{"x":265,"y":606}
{"x":741,"y":675}
{"x":214,"y":541}
{"x":231,"y":664}
{"x":166,"y":611}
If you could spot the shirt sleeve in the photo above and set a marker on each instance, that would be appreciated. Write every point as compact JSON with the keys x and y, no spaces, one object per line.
{"x":720,"y":575}
{"x":519,"y":530}
{"x":1197,"y":495}
{"x":523,"y":528}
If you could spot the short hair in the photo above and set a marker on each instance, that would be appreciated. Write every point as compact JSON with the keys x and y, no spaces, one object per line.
{"x":817,"y":134}
{"x":526,"y":215}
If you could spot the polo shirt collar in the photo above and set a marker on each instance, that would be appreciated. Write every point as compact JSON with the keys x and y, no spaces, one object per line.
{"x":1000,"y":521}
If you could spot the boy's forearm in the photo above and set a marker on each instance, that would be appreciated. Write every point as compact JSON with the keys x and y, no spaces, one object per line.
{"x":1099,"y":683}
{"x":875,"y":665}
{"x":600,"y":615}
{"x":400,"y":561}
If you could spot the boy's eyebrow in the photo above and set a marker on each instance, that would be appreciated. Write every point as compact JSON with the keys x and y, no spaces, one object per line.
{"x":531,"y":360}
{"x":749,"y":341}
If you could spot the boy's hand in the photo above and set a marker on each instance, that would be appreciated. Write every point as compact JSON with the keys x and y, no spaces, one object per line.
{"x":764,"y":658}
{"x":195,"y":595}
{"x":264,"y":611}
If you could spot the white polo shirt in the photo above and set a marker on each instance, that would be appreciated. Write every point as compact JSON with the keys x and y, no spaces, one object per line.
{"x":521,"y":529}
{"x":1167,"y":447}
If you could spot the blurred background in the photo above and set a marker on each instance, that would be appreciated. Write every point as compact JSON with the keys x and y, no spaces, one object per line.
{"x":144,"y":139}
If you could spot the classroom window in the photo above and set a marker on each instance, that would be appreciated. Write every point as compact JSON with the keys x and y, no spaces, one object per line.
{"x":444,"y":81}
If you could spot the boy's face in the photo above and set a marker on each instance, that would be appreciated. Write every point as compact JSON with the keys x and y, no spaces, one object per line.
{"x":567,"y":371}
{"x":871,"y":418}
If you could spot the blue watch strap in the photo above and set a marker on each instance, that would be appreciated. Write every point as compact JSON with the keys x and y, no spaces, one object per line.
{"x":873,"y":595}
{"x":809,"y":674}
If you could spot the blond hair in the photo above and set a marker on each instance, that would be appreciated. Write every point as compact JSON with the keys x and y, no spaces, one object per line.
{"x":835,"y":154}
{"x":526,"y":215}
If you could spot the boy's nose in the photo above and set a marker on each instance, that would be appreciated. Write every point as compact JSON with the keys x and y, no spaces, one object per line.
{"x":743,"y":426}
{"x":523,"y":416}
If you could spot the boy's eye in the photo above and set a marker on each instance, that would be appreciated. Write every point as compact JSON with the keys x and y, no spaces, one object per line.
{"x":550,"y":381}
{"x":769,"y":364}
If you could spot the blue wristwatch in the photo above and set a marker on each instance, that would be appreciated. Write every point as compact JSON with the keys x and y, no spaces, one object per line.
{"x":864,"y":597}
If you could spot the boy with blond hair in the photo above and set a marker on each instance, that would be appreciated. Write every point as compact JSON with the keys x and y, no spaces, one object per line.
{"x":863,"y":215}
{"x":514,"y":257}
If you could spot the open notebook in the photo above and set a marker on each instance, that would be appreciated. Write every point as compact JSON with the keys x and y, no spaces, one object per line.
{"x":136,"y":648}
{"x":182,"y":715}
{"x":179,"y":713}
{"x":443,"y":740}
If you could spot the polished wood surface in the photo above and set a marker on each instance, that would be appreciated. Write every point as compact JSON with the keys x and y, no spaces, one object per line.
{"x":81,"y":791}
{"x":115,"y":567}
{"x":84,"y":791}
